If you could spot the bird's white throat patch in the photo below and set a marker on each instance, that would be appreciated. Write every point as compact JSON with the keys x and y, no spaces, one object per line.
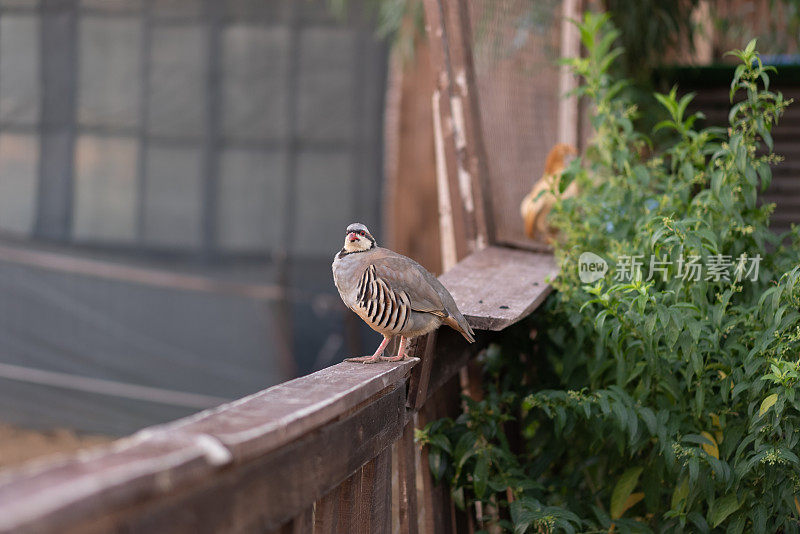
{"x":361,"y":244}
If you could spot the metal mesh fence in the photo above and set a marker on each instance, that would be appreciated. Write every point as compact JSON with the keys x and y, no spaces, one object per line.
{"x":516,"y":49}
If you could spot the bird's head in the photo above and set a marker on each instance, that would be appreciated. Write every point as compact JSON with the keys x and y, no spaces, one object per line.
{"x":358,"y":238}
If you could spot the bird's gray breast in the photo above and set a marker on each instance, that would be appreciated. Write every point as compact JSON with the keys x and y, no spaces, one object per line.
{"x":347,"y":272}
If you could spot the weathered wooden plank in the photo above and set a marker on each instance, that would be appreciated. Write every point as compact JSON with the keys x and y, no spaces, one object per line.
{"x":346,"y":495}
{"x":452,"y":354}
{"x":410,"y":226}
{"x":444,"y":355}
{"x":49,"y":496}
{"x":266,"y":492}
{"x":376,"y":494}
{"x":257,"y":424}
{"x":407,"y":477}
{"x":362,"y":508}
{"x":431,"y":496}
{"x":569,"y":123}
{"x":439,"y":515}
{"x":424,"y":348}
{"x":460,"y":153}
{"x":326,"y":513}
{"x":175,"y":471}
{"x":496,"y":287}
{"x":301,"y":524}
{"x":473,"y":168}
{"x":362,"y":503}
{"x":456,"y":233}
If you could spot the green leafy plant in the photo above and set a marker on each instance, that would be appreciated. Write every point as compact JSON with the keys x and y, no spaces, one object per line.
{"x":657,"y":401}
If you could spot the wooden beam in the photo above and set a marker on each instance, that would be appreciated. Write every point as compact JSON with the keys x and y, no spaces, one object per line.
{"x":302,"y":524}
{"x":375,"y":500}
{"x":445,"y":193}
{"x":260,"y":423}
{"x":473,"y":165}
{"x":568,"y":106}
{"x":269,"y":490}
{"x":407,"y":477}
{"x":54,"y":496}
{"x":460,"y":154}
{"x":425,"y":349}
{"x":259,"y":495}
{"x":453,"y":353}
{"x":155,"y":462}
{"x":496,"y":287}
{"x":437,"y":503}
{"x":362,"y":503}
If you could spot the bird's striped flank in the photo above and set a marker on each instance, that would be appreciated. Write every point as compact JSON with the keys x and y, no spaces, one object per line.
{"x":384,"y":307}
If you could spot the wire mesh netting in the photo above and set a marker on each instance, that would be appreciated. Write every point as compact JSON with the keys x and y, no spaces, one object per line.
{"x":516,"y":49}
{"x":175,"y":178}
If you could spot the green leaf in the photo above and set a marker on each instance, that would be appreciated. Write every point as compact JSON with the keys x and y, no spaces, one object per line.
{"x":480,"y":475}
{"x":767,"y":403}
{"x":680,"y":493}
{"x":722,"y":508}
{"x":625,"y":485}
{"x":458,"y":498}
{"x":749,"y":49}
{"x":441,"y":441}
{"x":649,"y":419}
{"x":438,"y":464}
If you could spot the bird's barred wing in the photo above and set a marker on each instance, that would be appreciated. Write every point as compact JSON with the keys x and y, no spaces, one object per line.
{"x":384,"y":307}
{"x":405,"y":275}
{"x":388,"y":298}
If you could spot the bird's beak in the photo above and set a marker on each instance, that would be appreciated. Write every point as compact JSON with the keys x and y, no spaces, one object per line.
{"x":352,"y":236}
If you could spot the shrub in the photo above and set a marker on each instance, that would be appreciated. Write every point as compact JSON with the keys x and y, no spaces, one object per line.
{"x":658,"y":403}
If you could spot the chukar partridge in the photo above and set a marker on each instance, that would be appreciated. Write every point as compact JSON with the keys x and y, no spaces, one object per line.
{"x":393,"y":294}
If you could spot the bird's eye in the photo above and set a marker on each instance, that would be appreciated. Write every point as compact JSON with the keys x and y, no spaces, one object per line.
{"x":362,"y":232}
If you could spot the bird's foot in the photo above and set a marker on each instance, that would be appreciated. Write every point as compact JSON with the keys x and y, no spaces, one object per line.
{"x":398,"y":358}
{"x":364,"y":359}
{"x":401,"y":352}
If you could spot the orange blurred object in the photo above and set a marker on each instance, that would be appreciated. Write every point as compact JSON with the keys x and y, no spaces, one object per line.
{"x":538,"y":203}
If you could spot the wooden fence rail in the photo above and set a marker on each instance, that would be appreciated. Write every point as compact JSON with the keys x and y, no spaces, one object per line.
{"x":315,"y":454}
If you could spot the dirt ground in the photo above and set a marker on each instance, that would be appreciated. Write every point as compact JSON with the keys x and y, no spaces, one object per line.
{"x":18,"y":445}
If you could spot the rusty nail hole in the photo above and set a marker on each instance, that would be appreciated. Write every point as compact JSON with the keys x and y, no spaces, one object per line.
{"x":480,"y":302}
{"x":503,"y":307}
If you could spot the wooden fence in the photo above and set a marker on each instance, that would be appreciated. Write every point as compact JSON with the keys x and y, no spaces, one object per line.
{"x":332,"y":451}
{"x":315,"y":454}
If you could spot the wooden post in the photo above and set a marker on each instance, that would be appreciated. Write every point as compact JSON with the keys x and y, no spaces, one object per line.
{"x":704,"y":38}
{"x":568,"y":106}
{"x":440,"y":514}
{"x":407,"y":471}
{"x":466,"y":223}
{"x":301,"y":524}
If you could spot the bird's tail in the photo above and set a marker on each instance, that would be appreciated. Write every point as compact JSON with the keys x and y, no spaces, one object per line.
{"x":461,"y":325}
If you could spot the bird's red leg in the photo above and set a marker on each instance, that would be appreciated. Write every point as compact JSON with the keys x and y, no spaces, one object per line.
{"x":401,"y":351}
{"x":375,"y":357}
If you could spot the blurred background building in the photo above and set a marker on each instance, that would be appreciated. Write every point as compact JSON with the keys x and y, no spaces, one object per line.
{"x":176,"y":175}
{"x":175,"y":178}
